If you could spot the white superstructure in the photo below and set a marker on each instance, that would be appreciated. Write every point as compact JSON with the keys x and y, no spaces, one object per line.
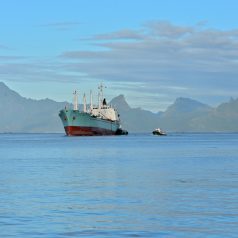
{"x":102,"y":110}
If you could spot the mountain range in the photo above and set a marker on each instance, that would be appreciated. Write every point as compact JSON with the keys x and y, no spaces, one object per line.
{"x":20,"y":114}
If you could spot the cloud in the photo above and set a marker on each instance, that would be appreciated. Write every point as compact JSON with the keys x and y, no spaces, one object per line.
{"x":159,"y":61}
{"x":60,"y":25}
{"x":11,"y":58}
{"x":125,"y":34}
{"x":4,"y":47}
{"x":33,"y":70}
{"x":166,"y":29}
{"x":162,"y":55}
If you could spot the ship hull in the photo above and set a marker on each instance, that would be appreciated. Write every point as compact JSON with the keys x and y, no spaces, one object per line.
{"x":78,"y":123}
{"x":87,"y":131}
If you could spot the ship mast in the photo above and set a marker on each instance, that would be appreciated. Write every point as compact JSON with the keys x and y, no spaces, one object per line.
{"x":99,"y":101}
{"x":100,"y":95}
{"x":84,"y":103}
{"x":91,"y":100}
{"x":75,"y":100}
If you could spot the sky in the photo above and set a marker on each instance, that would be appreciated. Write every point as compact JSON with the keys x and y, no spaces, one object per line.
{"x":151,"y":51}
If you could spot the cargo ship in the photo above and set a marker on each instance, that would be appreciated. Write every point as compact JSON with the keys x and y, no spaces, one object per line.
{"x":98,"y":120}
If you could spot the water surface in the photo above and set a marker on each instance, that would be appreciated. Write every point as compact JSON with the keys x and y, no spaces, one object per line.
{"x":182,"y":185}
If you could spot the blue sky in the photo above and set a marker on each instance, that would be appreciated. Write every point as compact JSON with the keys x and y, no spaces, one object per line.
{"x":151,"y":51}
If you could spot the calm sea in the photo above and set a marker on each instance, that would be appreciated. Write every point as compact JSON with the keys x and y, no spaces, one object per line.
{"x":182,"y":185}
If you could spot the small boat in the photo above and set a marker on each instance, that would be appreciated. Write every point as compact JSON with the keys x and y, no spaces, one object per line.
{"x":159,"y":132}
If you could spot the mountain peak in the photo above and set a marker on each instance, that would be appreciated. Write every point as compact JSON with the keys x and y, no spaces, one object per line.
{"x":189,"y":102}
{"x":120,"y":102}
{"x":3,"y":86}
{"x":119,"y":97}
{"x":7,"y":93}
{"x":186,"y":105}
{"x":229,"y":107}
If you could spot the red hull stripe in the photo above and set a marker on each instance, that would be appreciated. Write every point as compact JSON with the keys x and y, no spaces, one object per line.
{"x":87,"y":131}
